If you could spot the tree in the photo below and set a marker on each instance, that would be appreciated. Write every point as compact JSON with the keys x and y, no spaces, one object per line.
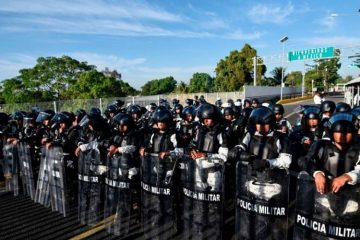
{"x":294,"y":78}
{"x":277,"y":74}
{"x":62,"y":78}
{"x":159,"y":86}
{"x":345,"y":80}
{"x":182,"y":88}
{"x":201,"y":82}
{"x":94,"y":84}
{"x":237,"y":69}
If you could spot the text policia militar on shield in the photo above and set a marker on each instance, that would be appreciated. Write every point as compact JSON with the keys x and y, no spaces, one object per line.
{"x":327,"y":229}
{"x":261,"y":209}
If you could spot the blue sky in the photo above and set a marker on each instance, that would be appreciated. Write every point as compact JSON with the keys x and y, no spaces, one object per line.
{"x":145,"y":40}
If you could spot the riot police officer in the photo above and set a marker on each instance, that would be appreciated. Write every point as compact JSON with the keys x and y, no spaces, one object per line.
{"x":334,"y":163}
{"x":122,"y":168}
{"x":282,"y":124}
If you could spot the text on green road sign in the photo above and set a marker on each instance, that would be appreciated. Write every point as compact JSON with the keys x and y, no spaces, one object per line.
{"x":314,"y":53}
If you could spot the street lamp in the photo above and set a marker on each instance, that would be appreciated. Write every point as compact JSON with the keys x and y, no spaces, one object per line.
{"x":282,"y":40}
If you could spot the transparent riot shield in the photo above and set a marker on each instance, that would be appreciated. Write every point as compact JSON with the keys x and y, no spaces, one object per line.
{"x":118,"y":195}
{"x":42,"y":194}
{"x":326,"y":216}
{"x":202,"y":192}
{"x":11,"y":168}
{"x":26,"y":169}
{"x":58,"y":191}
{"x":261,"y":203}
{"x":89,"y":194}
{"x":157,"y":197}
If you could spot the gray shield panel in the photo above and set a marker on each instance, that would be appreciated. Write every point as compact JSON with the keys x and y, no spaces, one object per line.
{"x":157,"y":197}
{"x":58,"y":192}
{"x":261,"y":203}
{"x":11,"y":168}
{"x":326,"y":216}
{"x":202,"y":192}
{"x":42,"y":194}
{"x":26,"y":169}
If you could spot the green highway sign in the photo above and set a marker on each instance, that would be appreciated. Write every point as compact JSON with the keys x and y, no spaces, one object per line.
{"x":315,"y":53}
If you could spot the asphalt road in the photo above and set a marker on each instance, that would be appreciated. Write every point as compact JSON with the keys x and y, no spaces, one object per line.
{"x":289,"y":108}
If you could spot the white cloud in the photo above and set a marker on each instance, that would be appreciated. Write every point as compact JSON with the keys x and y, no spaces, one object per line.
{"x":337,"y":41}
{"x":240,"y":35}
{"x":9,"y":67}
{"x":266,"y":13}
{"x":134,"y":71}
{"x":94,"y":8}
{"x":138,"y":76}
{"x":328,"y":22}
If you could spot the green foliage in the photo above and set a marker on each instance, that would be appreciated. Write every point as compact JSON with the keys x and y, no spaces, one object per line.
{"x":201,"y":82}
{"x":277,"y":74}
{"x":345,"y":80}
{"x":159,"y":86}
{"x":237,"y":69}
{"x":294,"y":79}
{"x":61,"y":78}
{"x":182,"y":88}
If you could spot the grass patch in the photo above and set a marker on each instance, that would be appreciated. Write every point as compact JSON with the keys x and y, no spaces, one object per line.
{"x":292,"y":100}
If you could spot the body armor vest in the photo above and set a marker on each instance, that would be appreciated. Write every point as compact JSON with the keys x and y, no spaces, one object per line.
{"x":206,"y":140}
{"x":338,"y":162}
{"x":264,"y":146}
{"x":161,"y":142}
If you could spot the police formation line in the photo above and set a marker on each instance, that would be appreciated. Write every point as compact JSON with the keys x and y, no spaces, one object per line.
{"x":203,"y":171}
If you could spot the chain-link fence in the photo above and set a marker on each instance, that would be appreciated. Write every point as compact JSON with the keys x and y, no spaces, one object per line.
{"x":102,"y":103}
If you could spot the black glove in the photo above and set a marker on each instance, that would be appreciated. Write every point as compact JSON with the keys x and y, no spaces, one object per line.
{"x":259,"y":164}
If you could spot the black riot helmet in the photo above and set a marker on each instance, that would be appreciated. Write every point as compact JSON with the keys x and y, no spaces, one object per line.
{"x":17,"y":116}
{"x":277,"y":108}
{"x":209,"y":111}
{"x":175,"y":101}
{"x":162,"y":114}
{"x":79,"y":114}
{"x":218,"y":103}
{"x":118,"y":103}
{"x":179,"y":107}
{"x":97,"y":122}
{"x":112,"y":109}
{"x":311,"y":112}
{"x":356,"y":113}
{"x":124,"y":119}
{"x":255,"y":101}
{"x":342,"y":122}
{"x":262,"y":115}
{"x":189,"y":102}
{"x":229,"y":111}
{"x":62,"y":117}
{"x":247,"y":102}
{"x":189,"y":110}
{"x":45,"y":115}
{"x":328,"y":106}
{"x":29,"y":119}
{"x":94,"y":111}
{"x":342,"y":107}
{"x":134,"y":109}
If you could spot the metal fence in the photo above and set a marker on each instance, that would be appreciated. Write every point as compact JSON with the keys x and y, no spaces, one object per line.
{"x":102,"y":103}
{"x":263,"y":93}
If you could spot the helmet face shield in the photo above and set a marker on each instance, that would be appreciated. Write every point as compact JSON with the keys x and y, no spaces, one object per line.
{"x":84,"y":121}
{"x":342,"y":123}
{"x":43,"y":116}
{"x":262,"y":115}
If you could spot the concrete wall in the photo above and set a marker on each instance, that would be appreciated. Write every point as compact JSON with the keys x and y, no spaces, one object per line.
{"x":265,"y":91}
